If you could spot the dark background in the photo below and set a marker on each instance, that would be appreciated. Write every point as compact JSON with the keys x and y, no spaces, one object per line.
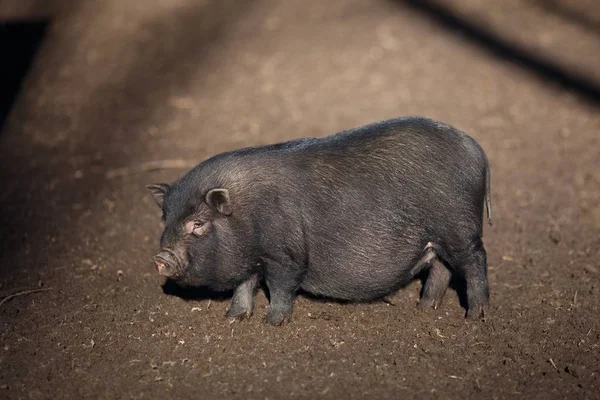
{"x":92,"y":91}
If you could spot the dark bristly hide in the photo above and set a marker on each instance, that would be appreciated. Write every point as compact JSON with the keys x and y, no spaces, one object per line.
{"x":352,"y":216}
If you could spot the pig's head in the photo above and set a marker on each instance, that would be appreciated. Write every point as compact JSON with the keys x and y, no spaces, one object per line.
{"x":198,"y":246}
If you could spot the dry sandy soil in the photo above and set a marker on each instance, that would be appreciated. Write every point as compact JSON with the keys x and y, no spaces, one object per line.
{"x":118,"y":83}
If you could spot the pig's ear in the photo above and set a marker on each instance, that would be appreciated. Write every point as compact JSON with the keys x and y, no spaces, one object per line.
{"x":219,"y":199}
{"x":158,"y":192}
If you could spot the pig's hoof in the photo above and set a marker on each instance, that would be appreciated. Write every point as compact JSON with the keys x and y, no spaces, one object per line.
{"x":278,"y":318}
{"x":239,"y":313}
{"x":476,"y":312}
{"x":426,"y":304}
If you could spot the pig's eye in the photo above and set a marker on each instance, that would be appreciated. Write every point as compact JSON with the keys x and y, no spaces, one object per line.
{"x":199,"y":228}
{"x":196,"y":228}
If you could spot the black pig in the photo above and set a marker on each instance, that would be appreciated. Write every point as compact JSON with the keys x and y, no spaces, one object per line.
{"x":351,"y":216}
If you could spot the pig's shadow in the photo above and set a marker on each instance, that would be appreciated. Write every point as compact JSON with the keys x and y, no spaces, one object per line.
{"x":171,"y":288}
{"x":457,"y":284}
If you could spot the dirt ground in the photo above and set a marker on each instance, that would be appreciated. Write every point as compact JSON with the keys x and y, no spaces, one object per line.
{"x":119,"y":83}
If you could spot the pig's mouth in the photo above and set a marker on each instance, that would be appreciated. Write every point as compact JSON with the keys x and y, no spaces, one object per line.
{"x":167,"y":264}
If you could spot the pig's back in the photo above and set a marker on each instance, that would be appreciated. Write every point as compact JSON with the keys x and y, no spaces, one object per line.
{"x":413,"y":167}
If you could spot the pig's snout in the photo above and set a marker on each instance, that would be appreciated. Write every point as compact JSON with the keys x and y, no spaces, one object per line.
{"x":166,"y":264}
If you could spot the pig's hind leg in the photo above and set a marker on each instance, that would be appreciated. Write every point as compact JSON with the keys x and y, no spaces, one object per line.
{"x":242,"y":304}
{"x":438,"y":278}
{"x":472,"y":265}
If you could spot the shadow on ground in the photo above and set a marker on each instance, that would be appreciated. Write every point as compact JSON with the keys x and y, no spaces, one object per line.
{"x":546,"y":69}
{"x":564,"y":9}
{"x":44,"y":183}
{"x":19,"y":42}
{"x":194,"y":293}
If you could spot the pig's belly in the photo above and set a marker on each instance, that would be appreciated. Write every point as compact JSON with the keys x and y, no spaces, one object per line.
{"x":367,"y":282}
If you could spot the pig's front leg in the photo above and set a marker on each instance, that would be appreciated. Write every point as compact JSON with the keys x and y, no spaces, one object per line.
{"x":242,"y":303}
{"x":283,"y":281}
